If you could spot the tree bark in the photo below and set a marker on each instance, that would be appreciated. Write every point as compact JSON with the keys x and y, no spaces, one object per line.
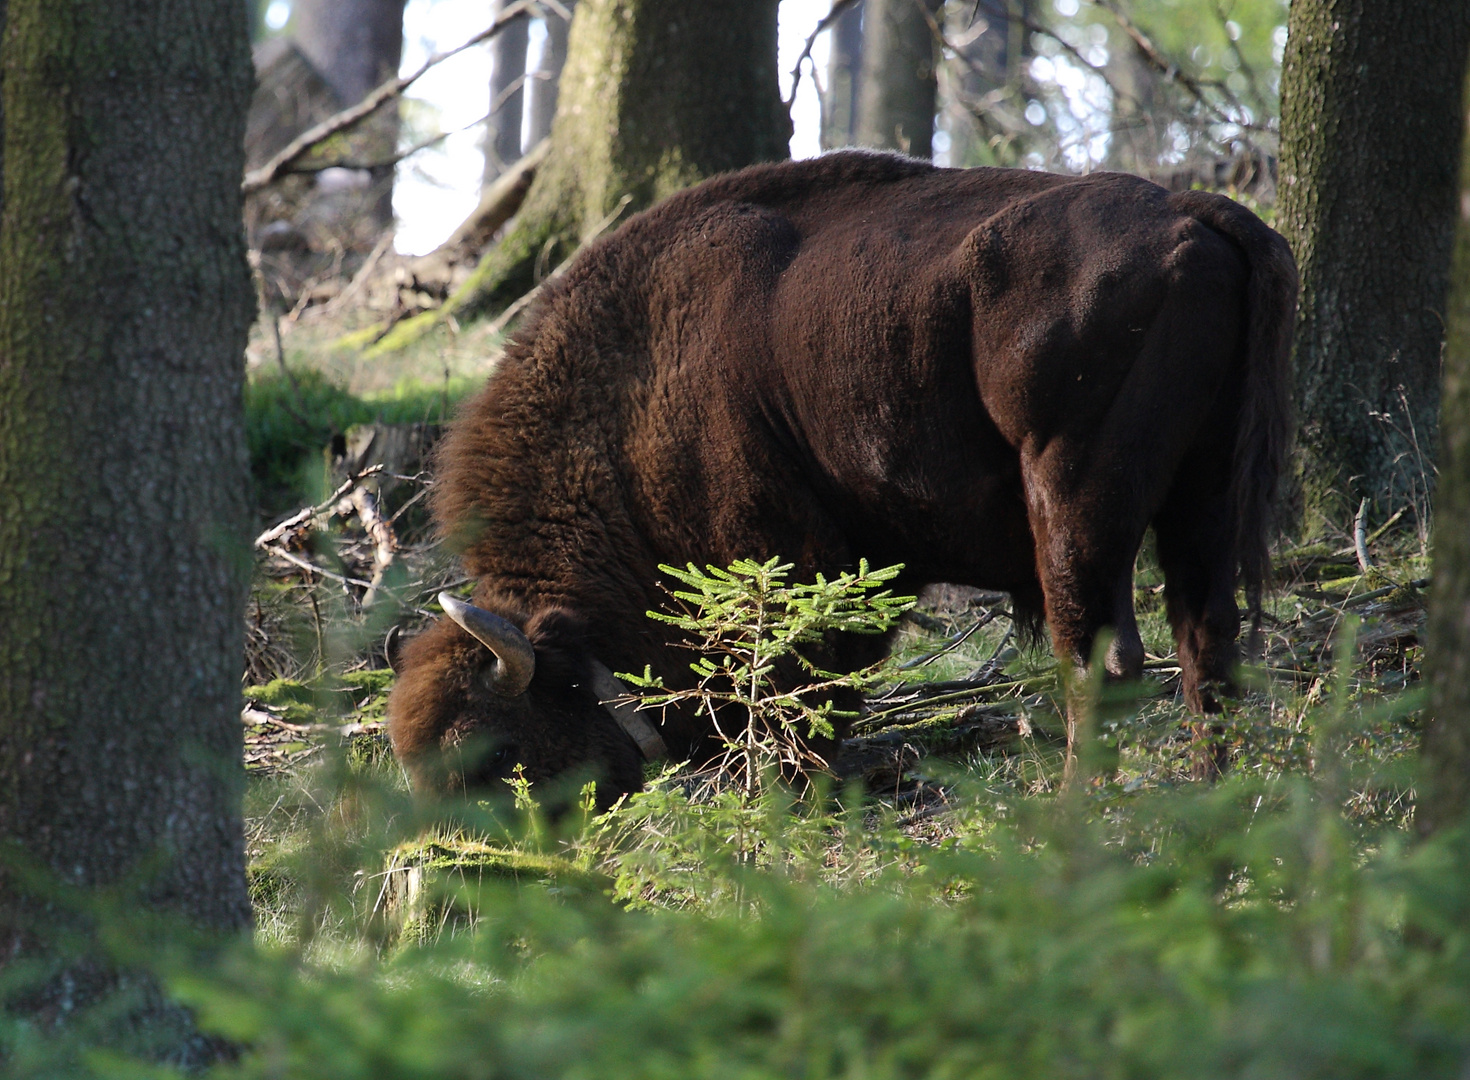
{"x":839,"y":107}
{"x":355,"y":45}
{"x":1444,"y":790}
{"x":125,"y":300}
{"x":898,"y":83}
{"x":542,"y":93}
{"x":656,"y":95}
{"x":1370,"y":129}
{"x":508,"y":106}
{"x":2,"y":111}
{"x":987,"y":63}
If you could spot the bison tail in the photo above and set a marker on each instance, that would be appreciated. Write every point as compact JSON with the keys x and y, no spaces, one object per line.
{"x":1264,"y":429}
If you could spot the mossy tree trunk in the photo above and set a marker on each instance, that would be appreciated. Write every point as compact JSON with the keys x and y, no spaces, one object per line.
{"x":125,"y":300}
{"x":1444,"y":795}
{"x":1369,"y":151}
{"x":899,"y":80}
{"x":655,"y":95}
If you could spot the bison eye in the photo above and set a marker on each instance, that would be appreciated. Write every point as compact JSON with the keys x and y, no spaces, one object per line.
{"x":504,"y":755}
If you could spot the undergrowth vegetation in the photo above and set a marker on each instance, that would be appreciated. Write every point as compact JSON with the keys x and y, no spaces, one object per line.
{"x":939,"y":907}
{"x":946,"y":910}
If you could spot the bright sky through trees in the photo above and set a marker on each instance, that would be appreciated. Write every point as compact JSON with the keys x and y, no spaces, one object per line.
{"x":436,"y":189}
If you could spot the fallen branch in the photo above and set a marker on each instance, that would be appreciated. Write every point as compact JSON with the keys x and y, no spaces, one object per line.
{"x":379,"y":530}
{"x":498,"y":204}
{"x":275,"y":532}
{"x":305,"y":564}
{"x":385,"y":92}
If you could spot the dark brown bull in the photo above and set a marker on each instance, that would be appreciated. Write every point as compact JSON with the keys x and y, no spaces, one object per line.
{"x":996,"y":377}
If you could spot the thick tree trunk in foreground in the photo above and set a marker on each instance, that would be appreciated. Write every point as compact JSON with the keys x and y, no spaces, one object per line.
{"x":124,"y":304}
{"x":898,"y":83}
{"x":656,"y":95}
{"x":1444,"y":795}
{"x":1370,"y":129}
{"x":507,"y":95}
{"x":355,"y":45}
{"x":2,"y":111}
{"x":541,"y":94}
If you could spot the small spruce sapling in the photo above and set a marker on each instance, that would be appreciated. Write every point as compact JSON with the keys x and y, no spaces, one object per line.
{"x":742,"y":621}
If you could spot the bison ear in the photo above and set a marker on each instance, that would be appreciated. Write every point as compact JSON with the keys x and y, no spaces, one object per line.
{"x":393,"y":649}
{"x":563,"y":651}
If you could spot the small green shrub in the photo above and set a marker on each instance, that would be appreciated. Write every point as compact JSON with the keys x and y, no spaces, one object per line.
{"x":744,"y":623}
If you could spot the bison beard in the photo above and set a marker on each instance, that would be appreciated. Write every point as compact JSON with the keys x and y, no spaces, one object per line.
{"x":996,"y":377}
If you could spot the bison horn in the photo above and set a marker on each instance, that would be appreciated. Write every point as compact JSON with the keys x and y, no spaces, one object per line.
{"x":515,"y":659}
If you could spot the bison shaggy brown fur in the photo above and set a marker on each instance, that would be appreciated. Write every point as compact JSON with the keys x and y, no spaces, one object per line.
{"x":997,"y":377}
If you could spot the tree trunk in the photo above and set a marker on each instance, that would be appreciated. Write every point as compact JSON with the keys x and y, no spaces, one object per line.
{"x":656,"y":95}
{"x":983,"y":67}
{"x":507,"y":95}
{"x":839,"y":107}
{"x":355,"y":45}
{"x":125,"y":300}
{"x":2,"y":110}
{"x":898,"y":83}
{"x":1369,"y":151}
{"x":1134,"y":146}
{"x":541,"y":95}
{"x":1444,"y":791}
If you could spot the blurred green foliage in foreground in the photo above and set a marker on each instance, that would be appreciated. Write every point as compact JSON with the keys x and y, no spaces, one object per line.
{"x":1258,"y":927}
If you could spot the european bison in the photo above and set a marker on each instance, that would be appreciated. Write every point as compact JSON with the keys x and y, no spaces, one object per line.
{"x":996,"y":377}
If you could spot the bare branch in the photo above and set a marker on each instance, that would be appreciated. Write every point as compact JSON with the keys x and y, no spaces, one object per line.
{"x":273,"y":169}
{"x":838,"y":7}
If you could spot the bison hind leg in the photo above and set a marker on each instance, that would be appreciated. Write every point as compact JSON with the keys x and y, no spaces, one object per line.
{"x":1197,"y":552}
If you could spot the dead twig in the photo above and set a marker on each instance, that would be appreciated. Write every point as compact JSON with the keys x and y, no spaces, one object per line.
{"x":1360,"y":537}
{"x":306,"y":564}
{"x":275,"y":532}
{"x":360,"y":278}
{"x":379,"y":530}
{"x":986,"y":617}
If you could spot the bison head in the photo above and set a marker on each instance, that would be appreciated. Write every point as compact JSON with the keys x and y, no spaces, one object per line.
{"x":479,"y":693}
